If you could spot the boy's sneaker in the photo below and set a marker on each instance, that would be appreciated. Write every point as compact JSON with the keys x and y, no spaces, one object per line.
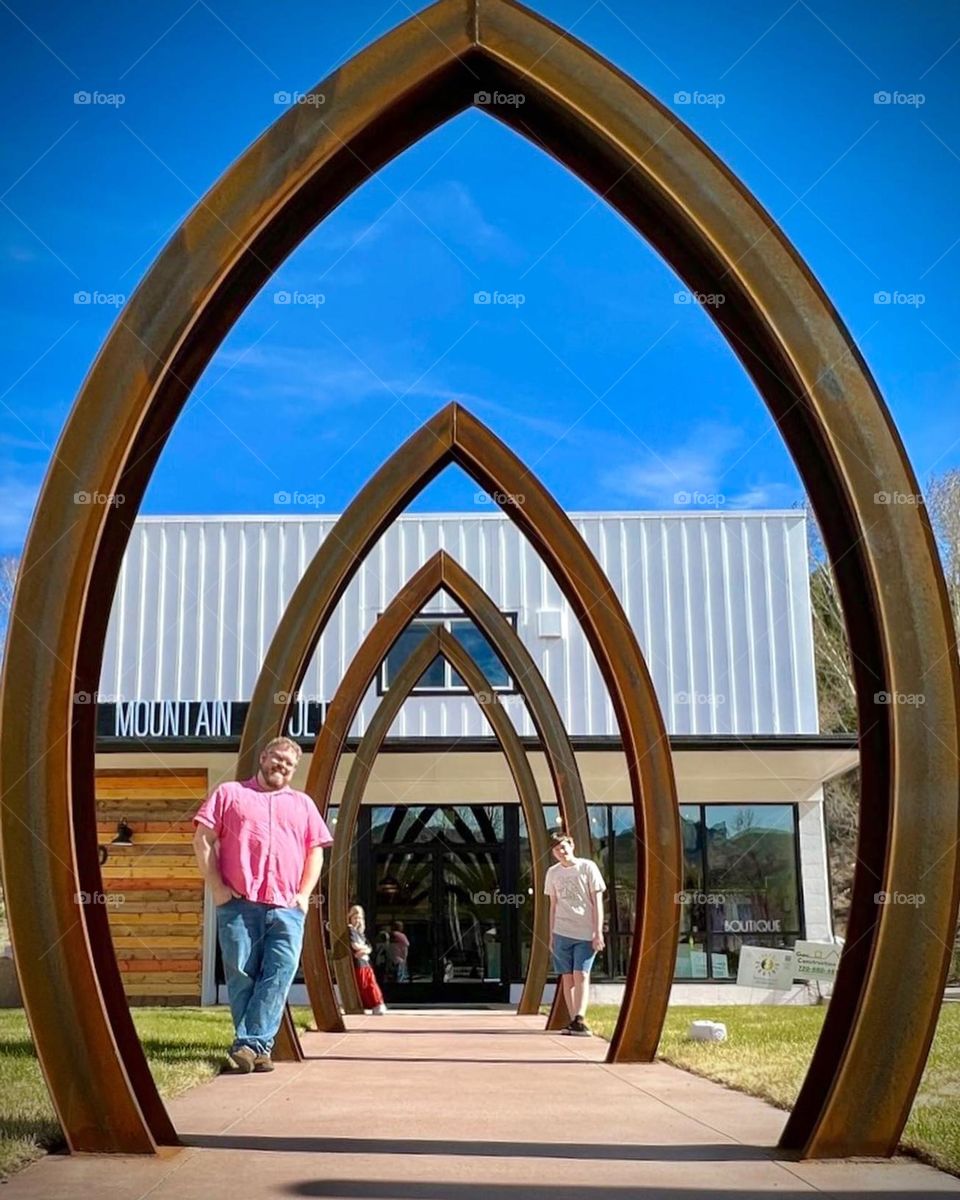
{"x":263,"y":1062}
{"x":243,"y":1058}
{"x":578,"y":1028}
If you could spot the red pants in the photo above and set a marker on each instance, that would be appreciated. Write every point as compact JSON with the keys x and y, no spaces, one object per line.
{"x":370,"y":994}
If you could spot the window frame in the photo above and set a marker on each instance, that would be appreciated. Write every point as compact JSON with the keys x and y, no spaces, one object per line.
{"x":446,"y":618}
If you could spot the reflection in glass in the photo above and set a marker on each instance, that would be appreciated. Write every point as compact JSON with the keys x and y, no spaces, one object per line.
{"x":440,"y":676}
{"x":752,"y":869}
{"x":401,"y":824}
{"x":401,"y":650}
{"x":402,"y":937}
{"x":480,"y":650}
{"x":471,"y":941}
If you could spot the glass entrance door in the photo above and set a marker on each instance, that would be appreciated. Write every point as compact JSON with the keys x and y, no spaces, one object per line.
{"x":439,"y":930}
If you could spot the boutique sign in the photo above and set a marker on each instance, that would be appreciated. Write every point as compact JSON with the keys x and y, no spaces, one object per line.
{"x":205,"y":721}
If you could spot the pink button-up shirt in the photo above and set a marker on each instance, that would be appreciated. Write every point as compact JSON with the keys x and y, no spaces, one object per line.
{"x":264,"y":838}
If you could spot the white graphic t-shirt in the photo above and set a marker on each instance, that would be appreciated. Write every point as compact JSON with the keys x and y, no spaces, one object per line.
{"x":573,"y":888}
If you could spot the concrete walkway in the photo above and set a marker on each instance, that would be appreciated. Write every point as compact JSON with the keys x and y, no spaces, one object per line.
{"x":469,"y":1106}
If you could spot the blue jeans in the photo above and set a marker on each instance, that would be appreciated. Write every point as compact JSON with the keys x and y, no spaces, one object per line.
{"x":260,"y":945}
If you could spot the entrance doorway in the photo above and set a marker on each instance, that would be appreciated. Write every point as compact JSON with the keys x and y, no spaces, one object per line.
{"x":434,"y":887}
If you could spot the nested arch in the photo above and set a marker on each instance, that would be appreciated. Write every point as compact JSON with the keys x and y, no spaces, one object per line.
{"x":670,"y":187}
{"x":439,"y":642}
{"x":307,"y":623}
{"x":456,"y":436}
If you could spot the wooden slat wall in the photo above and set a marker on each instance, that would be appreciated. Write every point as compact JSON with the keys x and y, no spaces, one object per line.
{"x":155,"y":894}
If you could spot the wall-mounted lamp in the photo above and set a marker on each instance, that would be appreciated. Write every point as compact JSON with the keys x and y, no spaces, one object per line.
{"x":124,"y":835}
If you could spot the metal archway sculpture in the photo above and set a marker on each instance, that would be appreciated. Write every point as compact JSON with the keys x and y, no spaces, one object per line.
{"x":440,"y":643}
{"x":707,"y":225}
{"x":456,"y":436}
{"x":438,"y":572}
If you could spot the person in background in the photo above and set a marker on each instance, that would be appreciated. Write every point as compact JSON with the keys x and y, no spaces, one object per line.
{"x":259,"y":845}
{"x":370,"y":995}
{"x":575,"y":887}
{"x":399,"y":953}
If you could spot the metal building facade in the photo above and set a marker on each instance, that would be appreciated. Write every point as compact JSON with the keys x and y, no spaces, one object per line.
{"x":719,"y":603}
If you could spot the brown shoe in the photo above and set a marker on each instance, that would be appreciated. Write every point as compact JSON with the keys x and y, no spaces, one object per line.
{"x":243,"y":1059}
{"x":263,"y":1062}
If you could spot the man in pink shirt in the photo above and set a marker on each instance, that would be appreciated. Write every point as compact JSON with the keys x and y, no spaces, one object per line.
{"x":259,"y":845}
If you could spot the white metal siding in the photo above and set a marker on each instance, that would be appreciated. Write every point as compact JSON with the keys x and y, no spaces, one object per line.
{"x":719,"y":602}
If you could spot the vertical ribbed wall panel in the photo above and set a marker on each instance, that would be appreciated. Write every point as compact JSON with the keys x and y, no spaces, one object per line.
{"x":719,"y":602}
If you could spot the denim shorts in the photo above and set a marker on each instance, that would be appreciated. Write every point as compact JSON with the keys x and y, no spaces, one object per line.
{"x":572,"y":954}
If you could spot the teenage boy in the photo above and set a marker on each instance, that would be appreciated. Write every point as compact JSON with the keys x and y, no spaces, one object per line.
{"x":575,"y":887}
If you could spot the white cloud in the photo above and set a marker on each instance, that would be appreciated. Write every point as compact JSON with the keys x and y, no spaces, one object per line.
{"x":695,"y":465}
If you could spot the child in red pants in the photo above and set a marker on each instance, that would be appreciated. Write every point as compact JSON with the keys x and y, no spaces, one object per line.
{"x":370,"y":995}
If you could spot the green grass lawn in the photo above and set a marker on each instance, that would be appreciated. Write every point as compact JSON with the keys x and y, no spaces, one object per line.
{"x":768,"y":1049}
{"x":184,"y":1046}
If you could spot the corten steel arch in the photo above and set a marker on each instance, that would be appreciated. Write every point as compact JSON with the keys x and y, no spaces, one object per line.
{"x":677,"y":194}
{"x":438,"y":572}
{"x":440,"y":642}
{"x":454,"y":435}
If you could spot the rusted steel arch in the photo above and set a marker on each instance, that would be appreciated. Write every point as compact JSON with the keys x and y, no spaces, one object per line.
{"x":440,"y":642}
{"x":677,"y":194}
{"x":456,"y":436}
{"x":439,"y":572}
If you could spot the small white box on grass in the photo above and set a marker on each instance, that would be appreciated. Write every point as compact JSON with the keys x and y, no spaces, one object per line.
{"x":707,"y":1031}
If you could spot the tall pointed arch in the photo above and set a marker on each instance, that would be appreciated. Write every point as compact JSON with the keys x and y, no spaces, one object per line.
{"x":438,"y":572}
{"x":438,"y":643}
{"x":456,"y":436}
{"x":677,"y":194}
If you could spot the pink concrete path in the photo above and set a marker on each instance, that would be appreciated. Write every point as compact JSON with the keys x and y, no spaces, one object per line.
{"x":469,"y":1106}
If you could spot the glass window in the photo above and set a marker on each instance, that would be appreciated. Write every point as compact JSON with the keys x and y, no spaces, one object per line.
{"x":622,"y":894}
{"x":740,"y":885}
{"x":440,"y":676}
{"x":404,"y":646}
{"x":401,"y":825}
{"x":483,"y":654}
{"x":752,"y":869}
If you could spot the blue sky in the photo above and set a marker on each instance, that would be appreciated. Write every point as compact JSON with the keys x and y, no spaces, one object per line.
{"x":617,"y":395}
